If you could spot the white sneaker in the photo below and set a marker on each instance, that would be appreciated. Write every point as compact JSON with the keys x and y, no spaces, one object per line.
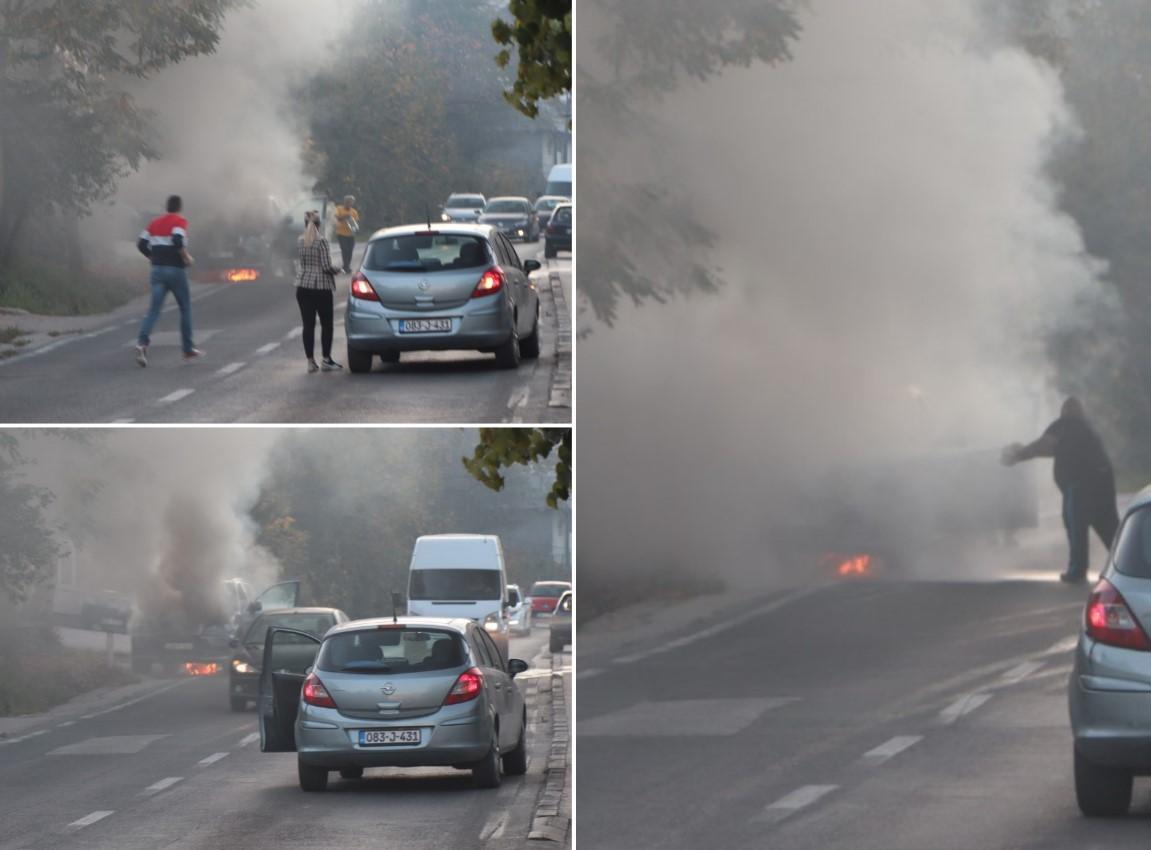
{"x":330,"y":365}
{"x":141,"y":356}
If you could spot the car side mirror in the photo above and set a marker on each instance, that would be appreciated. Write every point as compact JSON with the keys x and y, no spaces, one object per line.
{"x":517,"y":666}
{"x":532,"y":266}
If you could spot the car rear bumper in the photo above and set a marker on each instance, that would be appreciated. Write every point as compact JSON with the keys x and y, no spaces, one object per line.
{"x":482,"y":323}
{"x":449,"y":739}
{"x":1109,"y":700}
{"x":560,"y":243}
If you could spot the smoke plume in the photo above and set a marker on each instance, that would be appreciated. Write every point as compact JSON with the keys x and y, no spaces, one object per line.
{"x":894,"y":258}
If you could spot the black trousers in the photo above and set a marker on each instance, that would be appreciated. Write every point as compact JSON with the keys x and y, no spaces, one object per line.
{"x":1087,"y":507}
{"x":315,"y":302}
{"x":347,"y":245}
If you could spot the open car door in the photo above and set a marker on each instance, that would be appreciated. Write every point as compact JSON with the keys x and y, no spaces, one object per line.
{"x":285,"y":594}
{"x":288,"y":657}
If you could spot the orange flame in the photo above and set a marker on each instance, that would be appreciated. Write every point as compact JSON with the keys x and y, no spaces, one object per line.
{"x":196,"y":668}
{"x":857,"y":565}
{"x":240,"y":275}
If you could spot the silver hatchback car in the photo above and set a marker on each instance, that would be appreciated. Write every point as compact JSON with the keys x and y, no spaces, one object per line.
{"x":397,"y":692}
{"x":1110,"y":686}
{"x":452,"y":287}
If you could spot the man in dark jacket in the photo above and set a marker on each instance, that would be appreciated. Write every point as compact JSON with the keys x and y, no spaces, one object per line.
{"x":1084,"y":476}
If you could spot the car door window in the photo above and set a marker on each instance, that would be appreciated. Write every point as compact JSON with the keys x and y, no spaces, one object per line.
{"x":493,"y":653}
{"x":479,"y":650}
{"x":512,"y":257}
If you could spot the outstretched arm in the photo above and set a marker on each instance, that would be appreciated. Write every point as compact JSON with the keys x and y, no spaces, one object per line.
{"x":1017,"y":453}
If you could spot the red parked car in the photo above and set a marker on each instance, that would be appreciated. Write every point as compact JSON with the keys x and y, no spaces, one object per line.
{"x":545,"y":594}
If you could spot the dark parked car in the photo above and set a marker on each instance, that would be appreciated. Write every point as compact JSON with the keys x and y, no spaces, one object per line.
{"x":558,"y":235}
{"x":514,"y":217}
{"x":248,"y":648}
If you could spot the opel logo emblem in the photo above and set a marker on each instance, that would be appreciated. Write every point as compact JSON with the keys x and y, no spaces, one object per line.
{"x":424,"y":285}
{"x":388,"y":689}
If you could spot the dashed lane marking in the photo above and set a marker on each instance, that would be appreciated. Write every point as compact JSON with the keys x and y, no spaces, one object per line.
{"x":293,"y":333}
{"x":177,"y":395}
{"x":212,"y":759}
{"x":800,"y":798}
{"x":249,"y":739}
{"x":17,"y":740}
{"x":88,"y":820}
{"x":264,"y":349}
{"x":495,"y":826}
{"x":890,"y":749}
{"x":1060,"y":646}
{"x":157,"y":787}
{"x":589,"y":673}
{"x":711,"y":631}
{"x":962,"y":707}
{"x":229,"y":369}
{"x":122,"y":421}
{"x":107,"y":745}
{"x":674,"y":718}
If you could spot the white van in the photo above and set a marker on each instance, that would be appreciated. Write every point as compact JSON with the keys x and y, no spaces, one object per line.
{"x":460,"y":575}
{"x":560,"y":180}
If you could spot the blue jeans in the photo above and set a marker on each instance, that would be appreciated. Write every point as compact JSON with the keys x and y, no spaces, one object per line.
{"x":167,"y":279}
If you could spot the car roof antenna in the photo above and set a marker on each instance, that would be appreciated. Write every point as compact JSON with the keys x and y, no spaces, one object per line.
{"x":397,"y":600}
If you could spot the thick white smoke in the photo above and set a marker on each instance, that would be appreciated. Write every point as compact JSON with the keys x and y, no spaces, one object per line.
{"x":893,"y":254}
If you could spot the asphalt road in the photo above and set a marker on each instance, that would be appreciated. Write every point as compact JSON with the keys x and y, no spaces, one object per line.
{"x":859,"y":714}
{"x":254,"y":370}
{"x":177,"y":769}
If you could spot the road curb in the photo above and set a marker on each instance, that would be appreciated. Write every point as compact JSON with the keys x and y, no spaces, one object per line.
{"x":561,"y":381}
{"x":552,"y":818}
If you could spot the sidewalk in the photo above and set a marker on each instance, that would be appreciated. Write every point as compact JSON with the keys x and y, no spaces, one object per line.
{"x":553,"y":813}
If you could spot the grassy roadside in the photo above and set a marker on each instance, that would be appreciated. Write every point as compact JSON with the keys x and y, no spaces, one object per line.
{"x":48,"y":291}
{"x":37,"y":672}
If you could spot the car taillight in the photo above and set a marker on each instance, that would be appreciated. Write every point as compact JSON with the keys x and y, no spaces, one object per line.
{"x":362,"y":288}
{"x":1110,"y":621}
{"x":490,"y":283}
{"x":466,"y":688}
{"x":316,"y":694}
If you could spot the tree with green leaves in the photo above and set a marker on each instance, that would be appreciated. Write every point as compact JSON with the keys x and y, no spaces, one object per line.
{"x":644,"y":243}
{"x":30,"y":549}
{"x":540,"y":32}
{"x":70,"y":129}
{"x":500,"y":448}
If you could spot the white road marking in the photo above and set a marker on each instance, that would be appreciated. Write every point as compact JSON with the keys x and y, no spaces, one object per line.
{"x":293,"y":333}
{"x":88,"y":820}
{"x":107,"y":745}
{"x":248,"y":739}
{"x":229,"y":369}
{"x":66,"y":723}
{"x":1060,"y":646}
{"x":157,"y":787}
{"x":177,"y":395}
{"x":711,"y":631}
{"x":495,"y":826}
{"x":101,"y":332}
{"x":518,"y":398}
{"x":962,"y":706}
{"x":212,"y":759}
{"x":696,"y":717}
{"x":589,"y":673}
{"x":264,"y":349}
{"x":891,"y":748}
{"x":1020,"y":672}
{"x":117,"y":707}
{"x":798,"y":799}
{"x":24,"y":737}
{"x":122,"y":421}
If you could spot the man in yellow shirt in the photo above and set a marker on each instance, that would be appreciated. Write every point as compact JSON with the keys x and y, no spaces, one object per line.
{"x":347,"y":225}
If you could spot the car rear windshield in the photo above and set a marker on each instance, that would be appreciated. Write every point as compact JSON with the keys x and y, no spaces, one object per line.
{"x":505,"y":207}
{"x":391,"y":650}
{"x":552,"y":591}
{"x":425,"y":252}
{"x":1132,"y":552}
{"x":562,"y":215}
{"x":468,"y":202}
{"x":548,"y":203}
{"x":455,"y":585}
{"x":313,"y":624}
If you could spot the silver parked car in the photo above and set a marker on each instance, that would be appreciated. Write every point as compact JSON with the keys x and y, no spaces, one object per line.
{"x":397,"y":692}
{"x":514,"y":216}
{"x":454,"y":287}
{"x":463,"y":207}
{"x":1110,"y":686}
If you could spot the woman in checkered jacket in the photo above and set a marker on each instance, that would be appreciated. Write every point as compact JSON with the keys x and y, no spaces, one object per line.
{"x":315,"y":288}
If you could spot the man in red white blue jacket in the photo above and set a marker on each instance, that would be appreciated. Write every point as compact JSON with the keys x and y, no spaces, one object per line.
{"x":165,"y":243}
